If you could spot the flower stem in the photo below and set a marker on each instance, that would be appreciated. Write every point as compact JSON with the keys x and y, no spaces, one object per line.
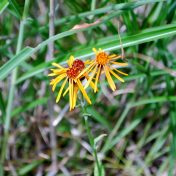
{"x":90,"y":137}
{"x":91,"y":140}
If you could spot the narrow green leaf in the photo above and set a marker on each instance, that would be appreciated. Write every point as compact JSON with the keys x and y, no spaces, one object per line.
{"x":173,"y":130}
{"x":112,"y":43}
{"x":124,"y":132}
{"x":99,"y":138}
{"x":16,"y":7}
{"x":26,"y":169}
{"x":15,"y":61}
{"x":98,"y":117}
{"x":2,"y":104}
{"x":3,"y":5}
{"x":104,"y":10}
{"x":29,"y":106}
{"x":132,"y":126}
{"x":96,"y":172}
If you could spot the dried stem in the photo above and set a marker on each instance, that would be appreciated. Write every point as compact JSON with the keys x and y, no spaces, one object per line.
{"x":50,"y":102}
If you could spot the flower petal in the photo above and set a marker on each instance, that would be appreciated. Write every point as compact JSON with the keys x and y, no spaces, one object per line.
{"x":83,"y":91}
{"x":70,"y":61}
{"x":114,"y":57}
{"x":121,"y":72}
{"x":118,"y":77}
{"x":66,"y":91}
{"x":86,"y":69}
{"x":97,"y":78}
{"x":70,"y":94}
{"x":119,"y":63}
{"x":55,"y":81}
{"x":57,"y":72}
{"x":91,"y":77}
{"x":52,"y":74}
{"x":92,"y":85}
{"x":95,"y":50}
{"x":60,"y":91}
{"x":109,"y":78}
{"x":75,"y":95}
{"x":57,"y":65}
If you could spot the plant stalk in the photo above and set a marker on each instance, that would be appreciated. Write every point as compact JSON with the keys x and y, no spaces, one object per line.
{"x":12,"y":88}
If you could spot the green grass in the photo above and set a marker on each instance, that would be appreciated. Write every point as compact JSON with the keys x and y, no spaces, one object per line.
{"x":131,"y":131}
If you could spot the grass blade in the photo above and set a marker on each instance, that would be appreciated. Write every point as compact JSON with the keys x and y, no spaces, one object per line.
{"x":3,"y":5}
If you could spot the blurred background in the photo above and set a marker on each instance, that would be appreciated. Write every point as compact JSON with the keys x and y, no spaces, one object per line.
{"x":133,"y":128}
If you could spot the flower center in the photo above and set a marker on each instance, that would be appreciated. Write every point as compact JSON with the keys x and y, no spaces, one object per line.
{"x":72,"y":73}
{"x":76,"y":68}
{"x":78,"y":64}
{"x":102,"y":58}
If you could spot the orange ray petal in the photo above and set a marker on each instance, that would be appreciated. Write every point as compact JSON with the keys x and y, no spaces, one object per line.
{"x":119,"y":63}
{"x":70,"y":61}
{"x":83,"y":91}
{"x":60,"y":91}
{"x":97,"y":78}
{"x":114,"y":56}
{"x":118,"y":77}
{"x":91,"y":77}
{"x":95,"y":50}
{"x":70,"y":94}
{"x":92,"y":85}
{"x":109,"y":78}
{"x":66,"y":91}
{"x":56,"y":81}
{"x":75,"y":95}
{"x":86,"y":69}
{"x":57,"y":65}
{"x":121,"y":72}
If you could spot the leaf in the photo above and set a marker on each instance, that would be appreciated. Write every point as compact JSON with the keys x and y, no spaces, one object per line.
{"x":2,"y":105}
{"x":171,"y":30}
{"x":16,"y":7}
{"x":132,"y":126}
{"x":26,"y":169}
{"x":85,"y":25}
{"x":104,"y":10}
{"x":15,"y":61}
{"x":99,"y":138}
{"x":3,"y":5}
{"x":98,"y":117}
{"x":112,"y":43}
{"x":29,"y":106}
{"x":96,"y":172}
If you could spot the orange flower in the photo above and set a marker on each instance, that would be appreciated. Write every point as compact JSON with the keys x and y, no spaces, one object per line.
{"x":70,"y":75}
{"x":103,"y":63}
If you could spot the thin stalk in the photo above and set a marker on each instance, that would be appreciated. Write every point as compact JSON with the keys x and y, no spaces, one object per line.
{"x":93,"y":4}
{"x":91,"y":140}
{"x":53,"y":169}
{"x":12,"y":86}
{"x":90,"y":137}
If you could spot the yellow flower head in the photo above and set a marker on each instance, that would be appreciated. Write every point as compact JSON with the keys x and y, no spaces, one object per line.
{"x":104,"y":63}
{"x":70,"y":75}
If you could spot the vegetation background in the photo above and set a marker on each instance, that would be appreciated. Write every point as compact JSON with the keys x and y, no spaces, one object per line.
{"x":131,"y":131}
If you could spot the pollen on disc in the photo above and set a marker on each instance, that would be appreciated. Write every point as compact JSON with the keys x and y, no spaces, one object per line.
{"x":78,"y":64}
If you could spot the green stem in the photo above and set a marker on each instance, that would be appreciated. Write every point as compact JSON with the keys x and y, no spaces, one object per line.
{"x":90,"y":137}
{"x":93,"y":4}
{"x":12,"y":87}
{"x":91,"y":140}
